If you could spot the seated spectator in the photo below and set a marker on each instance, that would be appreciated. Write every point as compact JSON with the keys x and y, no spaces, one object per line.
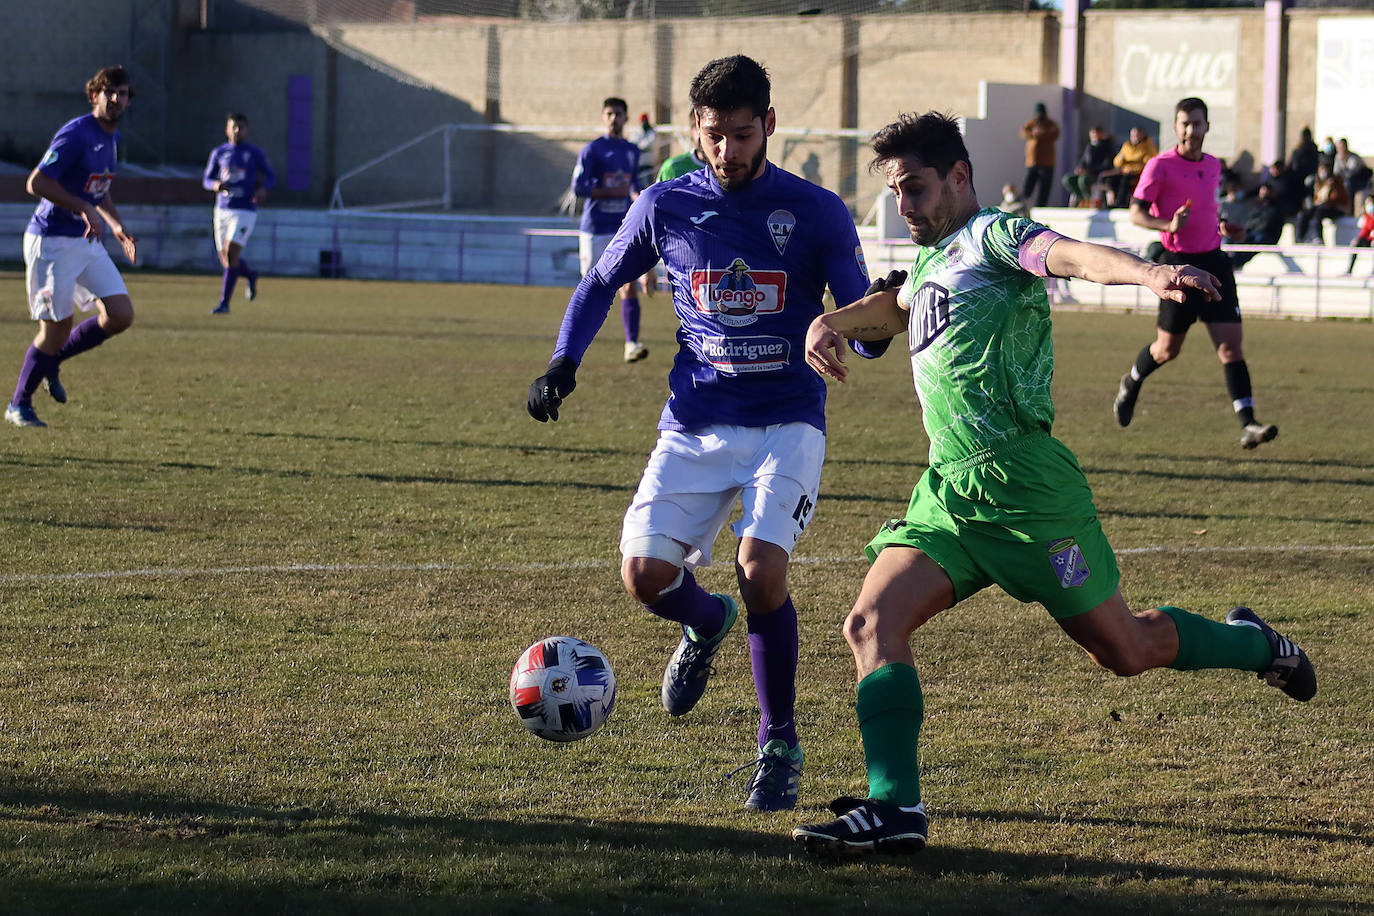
{"x":1129,"y":163}
{"x":1096,"y":159}
{"x":1263,"y":225}
{"x":1234,"y":204}
{"x":1366,"y":231}
{"x":1350,"y":168}
{"x":1012,"y":203}
{"x":1288,"y":187}
{"x":1303,"y":160}
{"x":1330,"y":200}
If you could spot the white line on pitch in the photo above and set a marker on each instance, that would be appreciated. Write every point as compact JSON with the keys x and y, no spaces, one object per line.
{"x":174,"y":573}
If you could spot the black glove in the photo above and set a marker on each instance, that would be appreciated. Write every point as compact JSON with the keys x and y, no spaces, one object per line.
{"x":893,"y":280}
{"x":872,"y":349}
{"x":549,"y":390}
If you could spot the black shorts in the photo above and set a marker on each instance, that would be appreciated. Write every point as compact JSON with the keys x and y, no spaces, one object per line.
{"x":1177,"y":317}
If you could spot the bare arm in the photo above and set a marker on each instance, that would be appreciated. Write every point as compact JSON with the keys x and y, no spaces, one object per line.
{"x":1111,"y":266}
{"x":126,"y":241}
{"x":40,"y":185}
{"x":1140,"y":216}
{"x":875,"y":317}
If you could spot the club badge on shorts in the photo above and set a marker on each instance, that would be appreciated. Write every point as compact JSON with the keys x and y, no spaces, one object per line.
{"x":1068,"y":563}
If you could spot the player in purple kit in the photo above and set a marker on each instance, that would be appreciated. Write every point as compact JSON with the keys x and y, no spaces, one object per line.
{"x":607,"y":178}
{"x":1177,"y":194}
{"x":232,"y":173}
{"x":66,"y":263}
{"x":749,"y":249}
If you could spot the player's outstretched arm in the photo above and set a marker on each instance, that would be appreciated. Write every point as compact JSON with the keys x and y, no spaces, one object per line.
{"x":1112,"y":266}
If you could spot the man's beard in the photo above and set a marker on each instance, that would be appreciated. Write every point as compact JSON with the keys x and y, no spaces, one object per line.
{"x":739,"y":184}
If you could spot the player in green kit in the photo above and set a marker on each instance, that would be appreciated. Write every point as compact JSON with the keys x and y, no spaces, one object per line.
{"x":1003,"y":501}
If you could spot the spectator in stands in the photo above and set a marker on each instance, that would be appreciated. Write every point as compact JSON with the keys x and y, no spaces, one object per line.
{"x":1129,"y":163}
{"x":1350,"y":168}
{"x":1012,"y":203}
{"x":1330,"y":200}
{"x":1263,"y":225}
{"x":1234,"y":205}
{"x":1288,"y":187}
{"x":1303,"y":160}
{"x":1365,"y":233}
{"x":1096,"y":159}
{"x":1041,"y":134}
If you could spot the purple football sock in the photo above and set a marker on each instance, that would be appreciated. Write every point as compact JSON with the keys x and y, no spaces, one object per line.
{"x":246,"y":271}
{"x":226,"y":286}
{"x":87,"y":336}
{"x":691,"y":605}
{"x":37,"y":365}
{"x":773,"y":656}
{"x":629,"y":317}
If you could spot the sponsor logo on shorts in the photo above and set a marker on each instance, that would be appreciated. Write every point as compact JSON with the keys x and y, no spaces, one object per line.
{"x":737,"y":355}
{"x":737,"y":296}
{"x":929,"y":315}
{"x":1067,"y":559}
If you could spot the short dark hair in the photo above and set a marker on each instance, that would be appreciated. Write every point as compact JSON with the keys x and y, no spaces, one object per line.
{"x":1192,"y":103}
{"x":236,"y":116}
{"x":613,"y":102}
{"x":728,"y":83}
{"x":107,"y":77}
{"x":933,"y":138}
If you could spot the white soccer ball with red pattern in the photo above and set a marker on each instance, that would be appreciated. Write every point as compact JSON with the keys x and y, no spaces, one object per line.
{"x":562,"y":688}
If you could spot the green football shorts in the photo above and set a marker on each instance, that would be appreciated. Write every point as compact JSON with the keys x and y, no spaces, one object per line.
{"x":1021,"y":517}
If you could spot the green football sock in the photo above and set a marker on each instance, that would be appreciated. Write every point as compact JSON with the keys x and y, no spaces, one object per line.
{"x":890,"y":709}
{"x":1204,"y":643}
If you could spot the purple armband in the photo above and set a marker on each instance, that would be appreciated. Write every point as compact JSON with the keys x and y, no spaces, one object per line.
{"x":1035,"y":249}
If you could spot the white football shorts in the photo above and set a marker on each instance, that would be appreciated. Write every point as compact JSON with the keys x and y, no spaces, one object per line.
{"x":589,"y":249}
{"x":63,"y":272}
{"x":233,"y":226}
{"x":693,"y":479}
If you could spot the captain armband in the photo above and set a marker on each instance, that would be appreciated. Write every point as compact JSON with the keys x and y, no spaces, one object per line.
{"x":1035,"y":250}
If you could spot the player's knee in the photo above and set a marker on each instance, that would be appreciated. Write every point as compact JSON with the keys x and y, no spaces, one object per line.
{"x":861,"y":627}
{"x":762,"y":583}
{"x":1122,"y":664}
{"x":651,"y":566}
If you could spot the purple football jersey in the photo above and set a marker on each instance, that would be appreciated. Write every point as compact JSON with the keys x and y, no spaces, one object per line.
{"x":81,"y":158}
{"x":748,"y":270}
{"x":236,"y":166}
{"x":601,"y":162}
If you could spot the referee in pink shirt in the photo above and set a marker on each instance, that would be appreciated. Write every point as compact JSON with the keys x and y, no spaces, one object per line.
{"x":1177,"y":194}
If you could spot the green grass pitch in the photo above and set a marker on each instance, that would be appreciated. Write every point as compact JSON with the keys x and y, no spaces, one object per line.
{"x":264,"y":577}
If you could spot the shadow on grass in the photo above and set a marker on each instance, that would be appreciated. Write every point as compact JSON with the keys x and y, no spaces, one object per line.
{"x":144,"y":852}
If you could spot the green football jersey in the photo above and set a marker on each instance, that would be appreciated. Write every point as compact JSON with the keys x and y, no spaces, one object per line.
{"x":679,"y":165}
{"x":979,"y":337}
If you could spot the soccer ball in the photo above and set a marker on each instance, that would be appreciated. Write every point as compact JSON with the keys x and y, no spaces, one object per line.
{"x":562,"y":688}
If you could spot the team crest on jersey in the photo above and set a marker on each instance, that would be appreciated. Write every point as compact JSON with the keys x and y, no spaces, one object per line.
{"x":737,"y":296}
{"x":859,"y":259}
{"x":954,"y":252}
{"x":929,"y":315}
{"x":780,"y":226}
{"x":1067,"y":559}
{"x":737,"y":355}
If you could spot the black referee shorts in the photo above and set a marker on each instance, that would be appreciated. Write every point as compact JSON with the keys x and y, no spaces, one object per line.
{"x":1177,"y":317}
